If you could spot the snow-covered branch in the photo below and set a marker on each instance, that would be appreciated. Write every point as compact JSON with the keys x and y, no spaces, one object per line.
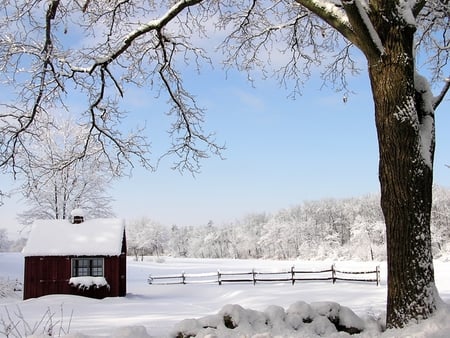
{"x":438,"y":99}
{"x":367,"y":38}
{"x":153,"y":25}
{"x":332,"y":12}
{"x":270,"y":40}
{"x":122,"y":54}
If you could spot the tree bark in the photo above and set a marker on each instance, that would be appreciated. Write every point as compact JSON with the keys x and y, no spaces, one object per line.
{"x":406,"y":178}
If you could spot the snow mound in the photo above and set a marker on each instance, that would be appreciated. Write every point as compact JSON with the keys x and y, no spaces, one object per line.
{"x":9,"y":287}
{"x":321,"y":319}
{"x":131,"y":331}
{"x":123,"y":332}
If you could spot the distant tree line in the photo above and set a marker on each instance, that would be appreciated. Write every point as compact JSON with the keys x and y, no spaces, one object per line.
{"x":350,"y":228}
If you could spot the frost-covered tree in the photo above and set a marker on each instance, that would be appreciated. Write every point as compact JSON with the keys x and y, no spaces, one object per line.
{"x":366,"y":237}
{"x":213,"y":241}
{"x":4,"y":241}
{"x":248,"y":233}
{"x":146,"y":237}
{"x":178,"y":244}
{"x":273,"y":238}
{"x":245,"y":235}
{"x":127,"y":43}
{"x":2,"y":195}
{"x":56,"y":180}
{"x":440,"y":224}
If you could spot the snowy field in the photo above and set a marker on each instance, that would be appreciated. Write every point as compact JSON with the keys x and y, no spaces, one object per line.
{"x":160,"y":310}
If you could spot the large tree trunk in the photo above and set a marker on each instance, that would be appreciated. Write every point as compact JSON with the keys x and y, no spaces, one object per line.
{"x":384,"y":31}
{"x":405,"y":126}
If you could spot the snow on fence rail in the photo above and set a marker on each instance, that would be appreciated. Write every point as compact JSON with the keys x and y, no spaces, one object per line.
{"x":254,"y":277}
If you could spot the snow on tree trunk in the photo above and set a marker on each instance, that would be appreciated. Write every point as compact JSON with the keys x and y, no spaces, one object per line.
{"x":405,"y":126}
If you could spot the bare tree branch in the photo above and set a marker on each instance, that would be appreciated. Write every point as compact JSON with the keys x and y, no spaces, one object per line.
{"x":115,"y":61}
{"x":123,"y":43}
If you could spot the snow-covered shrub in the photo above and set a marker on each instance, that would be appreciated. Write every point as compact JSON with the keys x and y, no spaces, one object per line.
{"x":342,"y":317}
{"x":86,"y":282}
{"x":300,"y":313}
{"x":300,"y":320}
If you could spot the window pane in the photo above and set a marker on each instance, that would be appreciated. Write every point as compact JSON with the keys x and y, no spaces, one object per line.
{"x":97,"y":262}
{"x":83,"y":272}
{"x":97,"y":272}
{"x":83,"y":263}
{"x":97,"y":267}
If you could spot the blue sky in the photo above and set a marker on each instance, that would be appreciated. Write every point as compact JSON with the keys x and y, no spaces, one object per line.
{"x":279,"y":152}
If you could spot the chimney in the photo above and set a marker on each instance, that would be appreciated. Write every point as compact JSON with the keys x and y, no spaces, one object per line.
{"x":77,"y":216}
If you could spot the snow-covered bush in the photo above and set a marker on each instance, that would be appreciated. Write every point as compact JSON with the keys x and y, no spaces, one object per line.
{"x":300,"y":320}
{"x":86,"y":282}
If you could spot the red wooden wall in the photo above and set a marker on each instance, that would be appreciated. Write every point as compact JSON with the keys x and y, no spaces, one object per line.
{"x":51,"y":274}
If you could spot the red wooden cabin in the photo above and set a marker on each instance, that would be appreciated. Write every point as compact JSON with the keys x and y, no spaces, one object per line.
{"x":86,"y":258}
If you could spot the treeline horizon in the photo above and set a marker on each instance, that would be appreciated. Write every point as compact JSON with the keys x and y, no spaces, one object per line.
{"x":346,"y":228}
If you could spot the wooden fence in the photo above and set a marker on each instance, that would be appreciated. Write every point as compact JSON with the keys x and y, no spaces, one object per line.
{"x":292,"y":276}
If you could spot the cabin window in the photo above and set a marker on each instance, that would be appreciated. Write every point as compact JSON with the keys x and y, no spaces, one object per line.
{"x":87,"y":267}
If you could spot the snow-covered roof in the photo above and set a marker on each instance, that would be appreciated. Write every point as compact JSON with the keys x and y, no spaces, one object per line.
{"x":77,"y":212}
{"x":93,"y":237}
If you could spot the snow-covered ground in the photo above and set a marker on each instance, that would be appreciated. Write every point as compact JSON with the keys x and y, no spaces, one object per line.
{"x":161,"y":310}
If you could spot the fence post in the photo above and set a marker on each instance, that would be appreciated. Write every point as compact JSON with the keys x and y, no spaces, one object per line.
{"x":219,"y":279}
{"x":333,"y":274}
{"x":292,"y":275}
{"x":183,"y":278}
{"x":378,"y":275}
{"x":254,"y":277}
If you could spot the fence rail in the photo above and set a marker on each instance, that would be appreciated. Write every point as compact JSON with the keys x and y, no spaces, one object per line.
{"x":292,"y":276}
